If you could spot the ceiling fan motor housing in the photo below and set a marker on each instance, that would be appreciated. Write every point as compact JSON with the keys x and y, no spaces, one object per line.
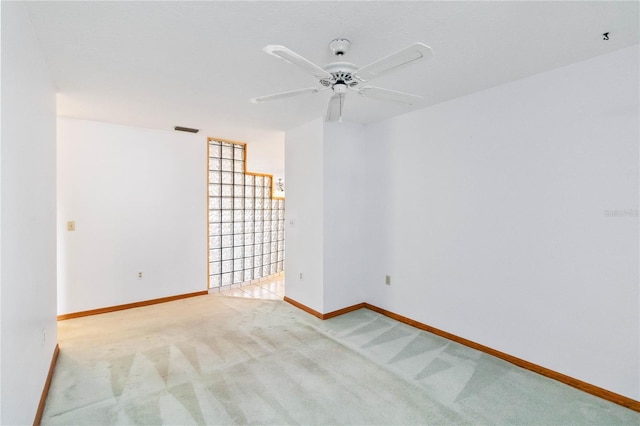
{"x":342,"y":73}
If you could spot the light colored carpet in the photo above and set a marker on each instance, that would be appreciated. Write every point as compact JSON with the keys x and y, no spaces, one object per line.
{"x":224,"y":360}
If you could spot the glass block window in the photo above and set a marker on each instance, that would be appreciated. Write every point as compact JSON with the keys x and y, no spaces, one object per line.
{"x":246,"y":224}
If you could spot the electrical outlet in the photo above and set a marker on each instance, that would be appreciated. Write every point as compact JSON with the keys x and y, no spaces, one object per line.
{"x":139,"y":275}
{"x":71,"y":225}
{"x":300,"y":276}
{"x":387,"y":279}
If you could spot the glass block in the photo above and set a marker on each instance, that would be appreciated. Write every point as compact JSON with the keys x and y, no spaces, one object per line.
{"x":238,"y":215}
{"x":249,"y":180}
{"x":281,"y":227}
{"x":248,"y":251}
{"x":266,"y":215}
{"x":226,"y":177}
{"x":274,"y":229}
{"x":274,"y":204}
{"x":280,"y":255}
{"x":258,"y":237}
{"x":214,"y":203}
{"x":238,"y":277}
{"x":214,"y":164}
{"x":226,"y":203}
{"x":266,"y":235}
{"x":227,"y":228}
{"x":214,"y":242}
{"x":257,"y":272}
{"x":248,"y":239}
{"x":274,"y":215}
{"x":266,"y":269}
{"x":215,"y":268}
{"x":238,"y":240}
{"x":226,"y":165}
{"x":259,"y":224}
{"x":280,"y":266}
{"x":248,"y":227}
{"x":274,"y":246}
{"x":238,"y":227}
{"x":227,"y":266}
{"x":238,"y":191}
{"x":248,"y":262}
{"x":227,"y":151}
{"x":257,"y":250}
{"x":215,"y":228}
{"x":238,"y":153}
{"x":214,"y":190}
{"x":248,"y":215}
{"x":258,"y":203}
{"x":274,"y":257}
{"x":249,"y":191}
{"x":267,"y":182}
{"x":214,"y":216}
{"x":248,"y":203}
{"x":238,"y":166}
{"x":280,"y":214}
{"x":227,"y":190}
{"x":248,"y":274}
{"x":214,"y":177}
{"x":226,"y":216}
{"x":214,"y":255}
{"x":280,"y":245}
{"x":226,"y":278}
{"x":259,"y":192}
{"x":238,"y":178}
{"x":257,"y":261}
{"x":227,"y":253}
{"x":281,"y":204}
{"x":227,"y":241}
{"x":259,"y":181}
{"x":237,"y":264}
{"x":214,"y":149}
{"x":238,"y":203}
{"x":238,"y":252}
{"x":214,"y":281}
{"x":266,"y":249}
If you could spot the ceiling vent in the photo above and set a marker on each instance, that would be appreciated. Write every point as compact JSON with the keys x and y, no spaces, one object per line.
{"x":186,"y":129}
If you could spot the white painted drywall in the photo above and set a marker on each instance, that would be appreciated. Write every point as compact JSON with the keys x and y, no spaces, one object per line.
{"x":343,"y":210}
{"x":304,"y":214}
{"x":28,"y":232}
{"x":138,"y":199}
{"x":492,"y":214}
{"x":265,"y":154}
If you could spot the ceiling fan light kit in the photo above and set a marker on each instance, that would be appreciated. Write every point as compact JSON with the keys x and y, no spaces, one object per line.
{"x":341,"y":77}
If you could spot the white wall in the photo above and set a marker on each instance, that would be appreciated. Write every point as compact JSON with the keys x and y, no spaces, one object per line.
{"x":138,"y":199}
{"x":266,"y":155}
{"x":28,"y":233}
{"x":304,"y":214}
{"x":490,"y":213}
{"x":343,"y":209}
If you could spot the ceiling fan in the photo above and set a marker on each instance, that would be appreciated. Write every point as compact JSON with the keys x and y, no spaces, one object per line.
{"x":340,"y":77}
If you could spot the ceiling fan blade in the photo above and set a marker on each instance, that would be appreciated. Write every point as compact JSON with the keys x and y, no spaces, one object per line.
{"x":281,"y":95}
{"x":334,"y":111}
{"x":406,"y":56}
{"x":295,"y":59}
{"x":389,"y":95}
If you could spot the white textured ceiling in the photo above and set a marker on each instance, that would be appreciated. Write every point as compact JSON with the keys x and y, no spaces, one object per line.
{"x":196,"y":64}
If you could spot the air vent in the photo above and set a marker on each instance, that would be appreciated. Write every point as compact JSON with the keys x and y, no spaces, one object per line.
{"x":186,"y":129}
